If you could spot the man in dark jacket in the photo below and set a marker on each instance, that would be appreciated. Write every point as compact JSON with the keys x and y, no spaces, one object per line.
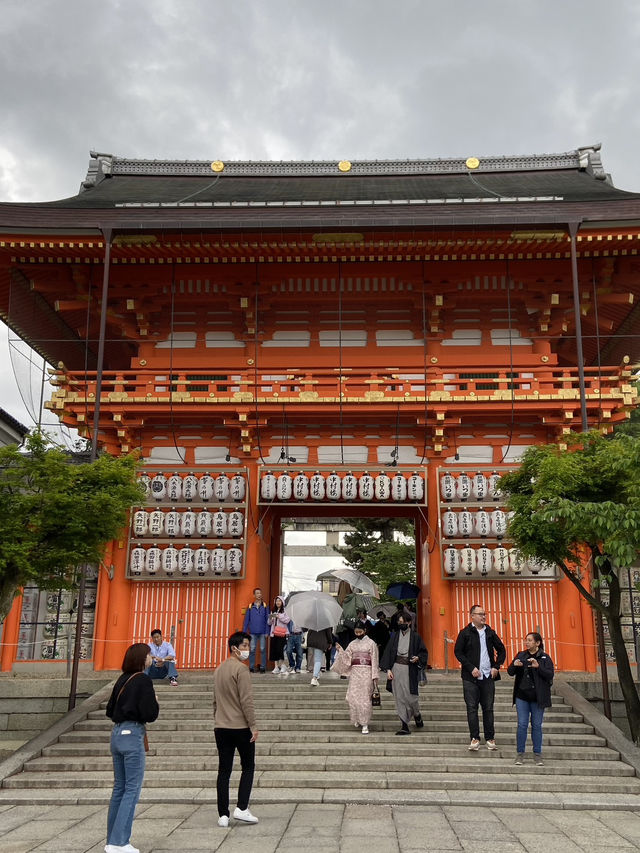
{"x":481,"y":654}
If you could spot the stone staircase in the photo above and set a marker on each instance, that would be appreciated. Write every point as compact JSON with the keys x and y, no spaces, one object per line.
{"x":309,"y":752}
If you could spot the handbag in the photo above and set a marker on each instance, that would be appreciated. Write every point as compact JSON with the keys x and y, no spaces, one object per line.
{"x":375,"y":699}
{"x":145,"y":739}
{"x":280,"y":631}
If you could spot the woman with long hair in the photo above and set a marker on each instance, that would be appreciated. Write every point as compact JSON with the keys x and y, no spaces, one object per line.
{"x":132,"y":704}
{"x":279,"y":634}
{"x":533,"y":671}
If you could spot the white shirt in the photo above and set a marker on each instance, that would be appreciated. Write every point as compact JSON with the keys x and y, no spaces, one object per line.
{"x":485,"y":663}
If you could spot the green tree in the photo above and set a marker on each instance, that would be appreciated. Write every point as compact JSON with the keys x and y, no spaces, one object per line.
{"x":375,"y":549}
{"x":56,"y":514}
{"x":584,"y":506}
{"x":631,"y":426}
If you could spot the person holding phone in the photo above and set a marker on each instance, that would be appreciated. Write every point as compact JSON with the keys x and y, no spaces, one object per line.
{"x":533,"y":671}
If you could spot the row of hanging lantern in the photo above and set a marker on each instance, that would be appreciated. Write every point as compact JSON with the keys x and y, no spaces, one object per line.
{"x":205,"y":487}
{"x":186,"y":524}
{"x":468,"y":561}
{"x":481,"y":523}
{"x":334,"y":487}
{"x":477,"y":487}
{"x":185,"y":561}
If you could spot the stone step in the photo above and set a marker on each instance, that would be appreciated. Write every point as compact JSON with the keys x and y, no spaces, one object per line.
{"x":534,"y":779}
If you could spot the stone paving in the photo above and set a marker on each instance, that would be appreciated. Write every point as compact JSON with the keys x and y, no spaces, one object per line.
{"x":290,"y":827}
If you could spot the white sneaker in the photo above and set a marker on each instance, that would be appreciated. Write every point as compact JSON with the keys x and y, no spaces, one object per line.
{"x":223,"y":820}
{"x":284,"y":671}
{"x":474,"y":746}
{"x":117,"y":848}
{"x":276,"y":670}
{"x":365,"y":730}
{"x":314,"y":682}
{"x":245,"y":816}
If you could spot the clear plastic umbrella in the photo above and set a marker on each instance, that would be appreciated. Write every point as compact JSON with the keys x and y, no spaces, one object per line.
{"x":358,"y":580}
{"x":314,"y":610}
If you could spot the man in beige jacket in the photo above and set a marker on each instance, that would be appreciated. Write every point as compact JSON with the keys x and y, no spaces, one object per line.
{"x":234,"y":727}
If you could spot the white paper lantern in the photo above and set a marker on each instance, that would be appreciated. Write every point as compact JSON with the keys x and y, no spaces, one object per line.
{"x":479,"y":486}
{"x":366,"y":487}
{"x":190,"y":488}
{"x":334,"y":487}
{"x":284,"y":487}
{"x":482,"y":523}
{"x":174,"y":488}
{"x":448,"y":487}
{"x":188,"y":523}
{"x":500,"y":560}
{"x":219,"y":524}
{"x":398,"y":487}
{"x":235,"y":524}
{"x":415,"y":487}
{"x":465,"y":523}
{"x":137,"y":560}
{"x":202,"y":560}
{"x":234,"y":561}
{"x":463,"y":487}
{"x":140,"y":523}
{"x":498,"y":523}
{"x":382,"y":487}
{"x":516,"y":561}
{"x":185,"y":560}
{"x":170,"y":560}
{"x":468,"y":560}
{"x":205,"y":487}
{"x":237,"y":487}
{"x":156,"y":523}
{"x":159,"y":487}
{"x":154,"y":560}
{"x":451,"y":560}
{"x":317,"y":487}
{"x":493,"y":491}
{"x":484,"y":560}
{"x":145,"y":481}
{"x":268,"y":487}
{"x":450,"y":524}
{"x":204,"y":523}
{"x":301,"y":487}
{"x":221,"y":487}
{"x":349,"y":487}
{"x":218,"y":560}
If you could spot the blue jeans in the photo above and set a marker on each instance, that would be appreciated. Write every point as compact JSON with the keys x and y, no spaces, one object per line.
{"x":127,"y":751}
{"x":526,"y":710}
{"x":263,"y":651}
{"x":294,"y":651}
{"x":318,"y":660}
{"x":167,"y":671}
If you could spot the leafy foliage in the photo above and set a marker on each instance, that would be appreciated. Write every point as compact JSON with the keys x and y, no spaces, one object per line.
{"x":56,"y":514}
{"x":582,"y":506}
{"x":374,"y":548}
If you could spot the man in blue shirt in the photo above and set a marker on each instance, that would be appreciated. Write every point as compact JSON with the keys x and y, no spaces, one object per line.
{"x":164,"y":659}
{"x":256,"y":623}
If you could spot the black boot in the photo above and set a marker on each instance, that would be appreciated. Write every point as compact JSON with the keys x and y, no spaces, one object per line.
{"x":419,"y":721}
{"x":404,"y":730}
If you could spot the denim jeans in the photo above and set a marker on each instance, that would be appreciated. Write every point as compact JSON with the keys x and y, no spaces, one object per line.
{"x":167,"y":671}
{"x":127,"y":751}
{"x":263,"y":651}
{"x":318,"y":659}
{"x":480,"y":692}
{"x":294,"y":651}
{"x":526,"y":710}
{"x":227,"y":741}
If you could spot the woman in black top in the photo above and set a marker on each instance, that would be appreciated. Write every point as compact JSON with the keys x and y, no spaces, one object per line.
{"x":132,"y":704}
{"x":533,"y":671}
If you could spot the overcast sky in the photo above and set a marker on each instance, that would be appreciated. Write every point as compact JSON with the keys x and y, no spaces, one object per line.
{"x":279,"y":79}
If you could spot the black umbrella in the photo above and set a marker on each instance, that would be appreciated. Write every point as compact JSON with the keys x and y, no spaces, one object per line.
{"x":403,"y":590}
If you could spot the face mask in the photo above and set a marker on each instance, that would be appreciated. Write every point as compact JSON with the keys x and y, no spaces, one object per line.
{"x":404,"y":628}
{"x":243,"y":654}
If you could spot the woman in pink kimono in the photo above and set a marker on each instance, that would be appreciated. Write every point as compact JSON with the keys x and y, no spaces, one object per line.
{"x":360,"y":662}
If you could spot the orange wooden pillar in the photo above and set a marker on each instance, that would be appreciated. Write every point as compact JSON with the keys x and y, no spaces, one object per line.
{"x":570,"y":634}
{"x":116,"y":624}
{"x":102,"y":609}
{"x":257,"y":556}
{"x":10,"y":632}
{"x":436,"y":590}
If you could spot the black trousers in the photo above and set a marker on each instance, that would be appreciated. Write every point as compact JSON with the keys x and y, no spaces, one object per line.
{"x":227,"y":741}
{"x":480,"y":693}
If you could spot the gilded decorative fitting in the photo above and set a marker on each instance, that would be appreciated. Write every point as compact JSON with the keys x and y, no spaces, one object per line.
{"x":217,"y":166}
{"x":472,"y":162}
{"x":544,"y":359}
{"x":344,"y":165}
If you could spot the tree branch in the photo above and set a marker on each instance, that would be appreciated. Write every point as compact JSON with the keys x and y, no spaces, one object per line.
{"x":581,"y":589}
